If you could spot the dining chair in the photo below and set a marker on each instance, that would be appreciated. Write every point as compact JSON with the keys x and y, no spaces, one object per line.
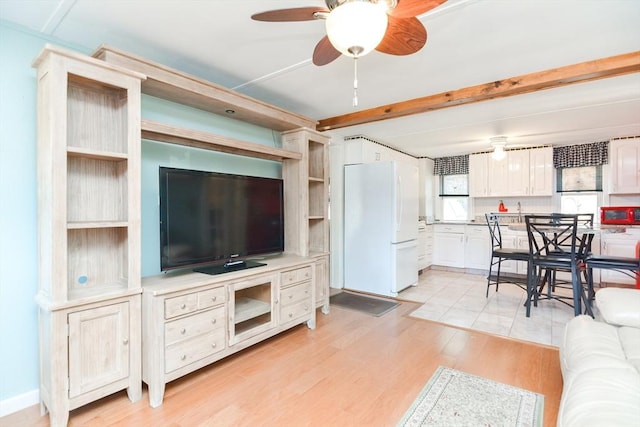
{"x":554,"y":245}
{"x":626,"y":265}
{"x":583,"y":249}
{"x":500,"y":254}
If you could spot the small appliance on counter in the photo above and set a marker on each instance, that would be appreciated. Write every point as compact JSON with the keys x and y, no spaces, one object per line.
{"x":624,"y":215}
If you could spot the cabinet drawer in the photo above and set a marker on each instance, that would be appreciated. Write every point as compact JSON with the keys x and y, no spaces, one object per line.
{"x":180,"y":305}
{"x":294,"y":294}
{"x":198,"y":324}
{"x":295,"y":311}
{"x":194,"y":349}
{"x":295,"y":276}
{"x":211,"y":297}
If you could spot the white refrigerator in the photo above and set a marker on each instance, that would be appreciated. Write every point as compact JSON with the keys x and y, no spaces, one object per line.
{"x":381,"y":227}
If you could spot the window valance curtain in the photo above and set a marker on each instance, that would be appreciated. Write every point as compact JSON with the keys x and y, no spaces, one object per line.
{"x":452,"y":165}
{"x":573,"y":156}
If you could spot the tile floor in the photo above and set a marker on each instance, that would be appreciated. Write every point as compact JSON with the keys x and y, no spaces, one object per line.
{"x":458,"y":299}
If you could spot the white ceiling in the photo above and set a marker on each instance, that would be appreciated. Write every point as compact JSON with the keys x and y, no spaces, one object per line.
{"x":470,"y":42}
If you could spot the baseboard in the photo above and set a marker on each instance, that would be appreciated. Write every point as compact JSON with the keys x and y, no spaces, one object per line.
{"x":18,"y":403}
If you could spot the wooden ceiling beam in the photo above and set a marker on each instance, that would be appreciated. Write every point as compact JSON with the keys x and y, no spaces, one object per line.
{"x":612,"y":66}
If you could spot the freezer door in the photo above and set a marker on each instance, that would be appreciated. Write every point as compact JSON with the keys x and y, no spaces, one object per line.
{"x":405,"y":260}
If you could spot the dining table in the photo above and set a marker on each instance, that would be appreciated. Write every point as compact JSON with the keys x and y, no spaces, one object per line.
{"x":585,"y":235}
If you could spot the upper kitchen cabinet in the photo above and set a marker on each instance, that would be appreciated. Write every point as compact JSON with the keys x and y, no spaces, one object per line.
{"x":517,"y":179}
{"x":625,"y":166}
{"x":521,"y":173}
{"x":541,"y":171}
{"x":478,"y":175}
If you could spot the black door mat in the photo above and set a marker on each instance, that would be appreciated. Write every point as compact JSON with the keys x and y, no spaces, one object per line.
{"x":373,"y":306}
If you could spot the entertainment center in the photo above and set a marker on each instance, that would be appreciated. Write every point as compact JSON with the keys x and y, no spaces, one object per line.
{"x":103,"y":328}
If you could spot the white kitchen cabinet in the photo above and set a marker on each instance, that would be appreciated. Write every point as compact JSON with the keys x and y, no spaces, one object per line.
{"x":520,"y":173}
{"x":448,"y":241}
{"x":517,"y":173}
{"x":541,"y":172}
{"x":428,"y":250}
{"x":625,"y":166}
{"x":478,"y":175}
{"x":497,"y":177}
{"x":477,"y":247}
{"x":422,"y":245}
{"x":514,"y":240}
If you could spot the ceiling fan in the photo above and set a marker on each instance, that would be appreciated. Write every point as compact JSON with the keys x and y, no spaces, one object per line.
{"x":355,"y":27}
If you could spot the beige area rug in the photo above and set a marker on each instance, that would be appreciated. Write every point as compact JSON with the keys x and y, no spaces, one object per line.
{"x":454,"y":398}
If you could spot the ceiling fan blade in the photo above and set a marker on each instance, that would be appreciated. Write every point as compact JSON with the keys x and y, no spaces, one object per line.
{"x":324,"y":52}
{"x":286,"y":15}
{"x":403,"y":37}
{"x":411,"y":8}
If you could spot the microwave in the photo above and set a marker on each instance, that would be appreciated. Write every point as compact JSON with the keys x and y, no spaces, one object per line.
{"x":620,"y":215}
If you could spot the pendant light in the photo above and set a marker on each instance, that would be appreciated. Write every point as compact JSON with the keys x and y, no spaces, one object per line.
{"x":355,"y":28}
{"x":498,"y":143}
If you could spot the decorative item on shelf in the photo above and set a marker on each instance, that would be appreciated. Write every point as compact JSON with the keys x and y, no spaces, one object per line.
{"x":498,"y":143}
{"x":501,"y":207}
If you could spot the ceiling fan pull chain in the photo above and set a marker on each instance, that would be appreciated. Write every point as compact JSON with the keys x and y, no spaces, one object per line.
{"x":355,"y":81}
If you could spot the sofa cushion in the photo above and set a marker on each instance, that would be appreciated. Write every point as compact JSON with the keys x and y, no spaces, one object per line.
{"x":619,"y":306}
{"x":589,"y":344}
{"x":630,"y":340}
{"x":601,"y":397}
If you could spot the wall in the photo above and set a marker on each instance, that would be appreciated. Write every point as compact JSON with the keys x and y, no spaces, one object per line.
{"x":18,"y":244}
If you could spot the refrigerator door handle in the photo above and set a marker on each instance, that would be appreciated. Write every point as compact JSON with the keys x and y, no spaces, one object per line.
{"x":399,"y":203}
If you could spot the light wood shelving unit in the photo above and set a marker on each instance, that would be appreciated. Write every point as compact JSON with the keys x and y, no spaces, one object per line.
{"x":311,"y":181}
{"x":89,"y":230}
{"x":304,"y":265}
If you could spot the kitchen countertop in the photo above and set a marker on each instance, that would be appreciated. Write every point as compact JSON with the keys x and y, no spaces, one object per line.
{"x":598,"y":229}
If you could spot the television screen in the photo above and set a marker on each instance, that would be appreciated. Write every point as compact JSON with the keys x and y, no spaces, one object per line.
{"x":214,"y":218}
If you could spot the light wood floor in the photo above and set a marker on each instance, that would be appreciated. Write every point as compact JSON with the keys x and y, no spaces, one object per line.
{"x":353,"y":370}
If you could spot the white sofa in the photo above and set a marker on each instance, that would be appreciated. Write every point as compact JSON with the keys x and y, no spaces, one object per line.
{"x":600,"y":361}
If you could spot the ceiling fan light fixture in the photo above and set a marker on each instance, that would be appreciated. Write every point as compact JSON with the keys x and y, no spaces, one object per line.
{"x":356,"y":27}
{"x":498,"y":143}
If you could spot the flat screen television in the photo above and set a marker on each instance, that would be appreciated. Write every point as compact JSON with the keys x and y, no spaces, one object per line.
{"x":212,"y":222}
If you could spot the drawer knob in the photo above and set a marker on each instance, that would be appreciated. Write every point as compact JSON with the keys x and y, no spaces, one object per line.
{"x":183,"y":306}
{"x":214,"y":321}
{"x":290,"y":296}
{"x":290,"y":314}
{"x":213,"y":345}
{"x":214,"y":298}
{"x":125,"y":341}
{"x":183,"y":331}
{"x":183,"y":357}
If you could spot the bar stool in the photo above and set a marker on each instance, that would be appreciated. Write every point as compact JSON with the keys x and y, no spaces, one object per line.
{"x":499,"y":254}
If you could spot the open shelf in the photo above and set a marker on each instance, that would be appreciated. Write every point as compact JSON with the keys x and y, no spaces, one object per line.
{"x":96,"y":154}
{"x":98,"y":114}
{"x":193,"y":138}
{"x":176,"y":86}
{"x":97,"y":260}
{"x":96,"y":190}
{"x":248,"y":308}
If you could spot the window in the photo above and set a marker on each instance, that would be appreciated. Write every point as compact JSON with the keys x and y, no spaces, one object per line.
{"x":586,"y":178}
{"x":455,"y":208}
{"x":454,"y":192}
{"x":454,"y":185}
{"x":575,"y":203}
